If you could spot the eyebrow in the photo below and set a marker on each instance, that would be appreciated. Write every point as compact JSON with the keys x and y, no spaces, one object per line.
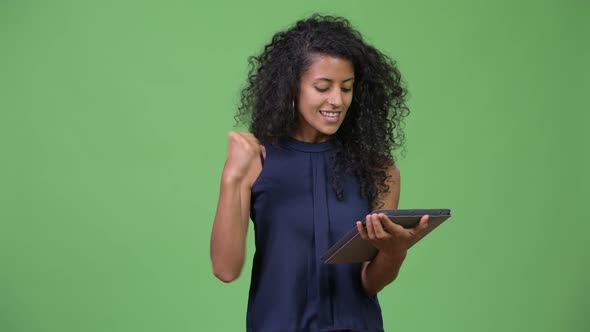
{"x":329,"y":80}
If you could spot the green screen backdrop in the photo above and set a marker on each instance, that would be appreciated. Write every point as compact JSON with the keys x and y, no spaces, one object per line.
{"x":113,"y":124}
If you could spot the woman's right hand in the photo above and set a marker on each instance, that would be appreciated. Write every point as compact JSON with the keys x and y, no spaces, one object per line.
{"x":243,"y":149}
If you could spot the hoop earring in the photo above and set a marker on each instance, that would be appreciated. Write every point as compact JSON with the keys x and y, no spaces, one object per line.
{"x":293,"y":108}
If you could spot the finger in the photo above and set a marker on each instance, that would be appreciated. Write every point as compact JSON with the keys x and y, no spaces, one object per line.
{"x":232,"y":136}
{"x":362,"y":231}
{"x":263,"y":150}
{"x":391,"y":227}
{"x":422,"y":225}
{"x":380,"y":233}
{"x":245,"y":136}
{"x":250,"y":137}
{"x":370,"y":229}
{"x":424,"y":221}
{"x":253,"y":140}
{"x":250,"y":143}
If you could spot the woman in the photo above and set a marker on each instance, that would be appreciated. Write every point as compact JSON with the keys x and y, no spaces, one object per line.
{"x":325,"y":111}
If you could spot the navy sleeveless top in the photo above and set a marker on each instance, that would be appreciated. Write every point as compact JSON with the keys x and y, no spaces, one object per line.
{"x":296,"y":218}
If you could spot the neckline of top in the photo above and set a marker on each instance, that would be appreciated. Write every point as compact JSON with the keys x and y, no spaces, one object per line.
{"x":308,"y":147}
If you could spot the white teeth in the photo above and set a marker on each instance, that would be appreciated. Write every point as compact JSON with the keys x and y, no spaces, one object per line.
{"x":329,"y":114}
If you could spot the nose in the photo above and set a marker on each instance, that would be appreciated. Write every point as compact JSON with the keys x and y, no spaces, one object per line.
{"x":335,"y":98}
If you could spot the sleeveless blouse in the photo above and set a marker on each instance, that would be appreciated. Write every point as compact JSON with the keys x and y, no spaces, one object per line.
{"x":296,"y":217}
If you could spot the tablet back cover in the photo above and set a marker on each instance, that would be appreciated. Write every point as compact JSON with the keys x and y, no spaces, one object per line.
{"x":351,"y":248}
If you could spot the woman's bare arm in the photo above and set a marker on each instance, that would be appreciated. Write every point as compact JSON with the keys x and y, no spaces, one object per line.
{"x":392,"y":240}
{"x":228,"y":236}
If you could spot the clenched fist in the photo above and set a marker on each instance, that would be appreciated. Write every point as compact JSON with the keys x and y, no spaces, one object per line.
{"x":243,"y":150}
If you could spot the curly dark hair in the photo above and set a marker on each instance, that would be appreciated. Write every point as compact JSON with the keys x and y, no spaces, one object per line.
{"x":373,"y":126}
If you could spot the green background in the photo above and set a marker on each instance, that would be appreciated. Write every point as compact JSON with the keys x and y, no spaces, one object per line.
{"x":113,"y":125}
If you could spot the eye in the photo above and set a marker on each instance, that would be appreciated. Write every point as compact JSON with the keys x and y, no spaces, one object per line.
{"x":322,"y":90}
{"x":346,"y":90}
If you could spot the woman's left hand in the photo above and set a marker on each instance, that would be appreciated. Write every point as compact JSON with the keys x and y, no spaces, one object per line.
{"x":388,"y":237}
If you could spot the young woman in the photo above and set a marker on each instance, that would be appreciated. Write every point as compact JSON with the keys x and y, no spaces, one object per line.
{"x":325,"y":111}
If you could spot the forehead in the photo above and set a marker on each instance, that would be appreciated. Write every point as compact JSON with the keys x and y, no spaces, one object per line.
{"x":329,"y":67}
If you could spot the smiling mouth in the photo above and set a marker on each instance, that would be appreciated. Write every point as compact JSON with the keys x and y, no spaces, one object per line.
{"x":331,"y":115}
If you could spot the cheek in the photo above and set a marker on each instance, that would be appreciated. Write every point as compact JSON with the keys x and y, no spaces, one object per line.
{"x":348,"y":100}
{"x":310,"y":101}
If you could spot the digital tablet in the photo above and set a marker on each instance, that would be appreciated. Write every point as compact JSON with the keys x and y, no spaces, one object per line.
{"x":351,"y":248}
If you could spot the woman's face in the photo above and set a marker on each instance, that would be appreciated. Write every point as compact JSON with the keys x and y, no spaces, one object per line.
{"x":325,"y":93}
